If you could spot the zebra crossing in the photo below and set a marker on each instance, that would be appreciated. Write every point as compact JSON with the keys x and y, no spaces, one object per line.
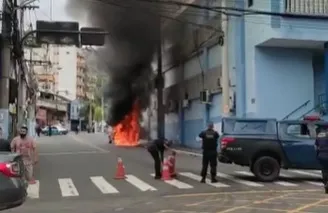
{"x":185,"y":181}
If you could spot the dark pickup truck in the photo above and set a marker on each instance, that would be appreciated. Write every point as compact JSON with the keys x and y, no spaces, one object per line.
{"x":267,"y":145}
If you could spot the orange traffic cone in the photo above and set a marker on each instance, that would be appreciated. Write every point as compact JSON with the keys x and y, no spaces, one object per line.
{"x":171,"y":163}
{"x":120,"y":171}
{"x":166,"y":171}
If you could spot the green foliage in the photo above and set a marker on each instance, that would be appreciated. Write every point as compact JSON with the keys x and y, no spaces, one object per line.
{"x":97,"y":113}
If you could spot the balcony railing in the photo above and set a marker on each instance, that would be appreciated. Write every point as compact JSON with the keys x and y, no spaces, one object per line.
{"x":52,"y":104}
{"x":308,"y":7}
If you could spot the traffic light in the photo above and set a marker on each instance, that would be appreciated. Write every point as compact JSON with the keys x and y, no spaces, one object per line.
{"x":61,"y":33}
{"x":92,"y":36}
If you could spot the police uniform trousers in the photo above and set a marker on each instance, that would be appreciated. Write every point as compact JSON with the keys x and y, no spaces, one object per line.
{"x":324,"y":170}
{"x":158,"y":159}
{"x":209,"y":158}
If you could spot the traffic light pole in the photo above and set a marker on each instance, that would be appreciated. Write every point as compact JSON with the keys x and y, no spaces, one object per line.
{"x":21,"y":84}
{"x":160,"y":87}
{"x":5,"y":70}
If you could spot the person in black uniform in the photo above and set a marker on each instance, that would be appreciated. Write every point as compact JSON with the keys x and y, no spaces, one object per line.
{"x":321,"y":145}
{"x":156,"y":148}
{"x":209,"y":138}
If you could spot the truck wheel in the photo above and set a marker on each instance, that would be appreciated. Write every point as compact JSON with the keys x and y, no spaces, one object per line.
{"x":266,"y":168}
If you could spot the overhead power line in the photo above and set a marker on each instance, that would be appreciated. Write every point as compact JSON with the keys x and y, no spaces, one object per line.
{"x":241,"y":10}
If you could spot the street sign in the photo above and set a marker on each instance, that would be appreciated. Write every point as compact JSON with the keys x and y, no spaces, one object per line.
{"x":4,"y":123}
{"x":92,"y":36}
{"x":64,"y":33}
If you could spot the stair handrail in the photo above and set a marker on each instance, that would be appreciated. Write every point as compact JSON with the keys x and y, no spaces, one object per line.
{"x":298,"y":108}
{"x":314,"y":108}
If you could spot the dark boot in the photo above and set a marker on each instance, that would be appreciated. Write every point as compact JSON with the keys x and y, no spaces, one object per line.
{"x":214,"y":180}
{"x":203,"y":180}
{"x":157,"y":177}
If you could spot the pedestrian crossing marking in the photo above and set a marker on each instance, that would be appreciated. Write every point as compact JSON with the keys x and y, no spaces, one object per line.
{"x":198,"y":178}
{"x":67,"y":187}
{"x":283,"y":183}
{"x":315,"y":183}
{"x":176,"y":183}
{"x":306,"y":173}
{"x":244,"y":182}
{"x":143,"y":186}
{"x":33,"y":190}
{"x":103,"y":185}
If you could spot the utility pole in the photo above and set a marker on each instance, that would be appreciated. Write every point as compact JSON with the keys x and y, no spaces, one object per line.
{"x":102,"y":108}
{"x":5,"y":69}
{"x":160,"y":87}
{"x":225,"y":64}
{"x":21,"y":83}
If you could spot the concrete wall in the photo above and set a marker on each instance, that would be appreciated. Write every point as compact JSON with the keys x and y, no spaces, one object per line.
{"x":284,"y":81}
{"x":263,"y":65}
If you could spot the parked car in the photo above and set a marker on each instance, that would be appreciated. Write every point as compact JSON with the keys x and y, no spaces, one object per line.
{"x":55,"y":130}
{"x":267,"y":145}
{"x":13,"y":185}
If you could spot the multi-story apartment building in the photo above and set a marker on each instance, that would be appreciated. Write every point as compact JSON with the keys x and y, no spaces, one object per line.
{"x":85,"y":79}
{"x":80,"y":76}
{"x":53,"y":68}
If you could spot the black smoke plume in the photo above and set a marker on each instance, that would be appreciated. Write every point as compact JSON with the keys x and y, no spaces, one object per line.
{"x":131,"y":47}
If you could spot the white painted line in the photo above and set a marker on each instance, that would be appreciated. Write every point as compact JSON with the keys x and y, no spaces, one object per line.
{"x":103,"y":185}
{"x":306,"y":173}
{"x":282,"y":183}
{"x":284,"y":175}
{"x":33,"y":190}
{"x":176,"y":183}
{"x":188,"y":153}
{"x":315,"y":183}
{"x":285,"y":183}
{"x":198,"y":178}
{"x":244,"y":182}
{"x":244,"y":173}
{"x":88,"y":144}
{"x":67,"y":187}
{"x":71,"y":153}
{"x":139,"y":183}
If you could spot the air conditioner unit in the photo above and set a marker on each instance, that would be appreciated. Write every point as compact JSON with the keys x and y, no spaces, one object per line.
{"x":185,"y":103}
{"x":205,"y":96}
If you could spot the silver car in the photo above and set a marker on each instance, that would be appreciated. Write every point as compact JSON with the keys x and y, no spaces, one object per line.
{"x":13,"y":185}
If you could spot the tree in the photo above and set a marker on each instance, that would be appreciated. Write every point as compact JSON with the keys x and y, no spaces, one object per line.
{"x":98,"y":113}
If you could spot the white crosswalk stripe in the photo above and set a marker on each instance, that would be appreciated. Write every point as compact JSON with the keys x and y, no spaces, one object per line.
{"x":283,"y":183}
{"x":143,"y":186}
{"x":187,"y":180}
{"x":198,"y":178}
{"x":314,"y":183}
{"x":103,"y":185}
{"x":176,"y":183}
{"x":33,"y":190}
{"x":306,"y":173}
{"x":67,"y":187}
{"x":234,"y":179}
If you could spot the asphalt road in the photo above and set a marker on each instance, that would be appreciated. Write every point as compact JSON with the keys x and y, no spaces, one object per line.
{"x":76,"y":174}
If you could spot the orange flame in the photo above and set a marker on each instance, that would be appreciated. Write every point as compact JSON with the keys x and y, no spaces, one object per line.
{"x":126,"y":133}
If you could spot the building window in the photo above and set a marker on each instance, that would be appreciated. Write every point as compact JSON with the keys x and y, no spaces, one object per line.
{"x":250,"y":3}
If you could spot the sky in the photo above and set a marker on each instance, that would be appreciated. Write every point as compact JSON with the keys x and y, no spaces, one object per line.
{"x":60,"y":13}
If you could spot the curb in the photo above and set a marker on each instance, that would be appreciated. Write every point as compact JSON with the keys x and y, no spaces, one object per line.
{"x":194,"y":154}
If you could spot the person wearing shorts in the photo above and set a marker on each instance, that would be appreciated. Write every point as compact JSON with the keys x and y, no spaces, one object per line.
{"x":26,"y":146}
